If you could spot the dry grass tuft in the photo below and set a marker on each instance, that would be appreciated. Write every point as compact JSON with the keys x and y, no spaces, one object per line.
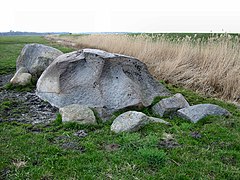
{"x":19,"y":164}
{"x":211,"y":67}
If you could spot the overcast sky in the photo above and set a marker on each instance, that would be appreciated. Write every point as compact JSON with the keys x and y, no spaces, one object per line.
{"x":120,"y":15}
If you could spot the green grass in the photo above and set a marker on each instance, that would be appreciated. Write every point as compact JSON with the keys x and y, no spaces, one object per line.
{"x":19,"y":88}
{"x":213,"y":155}
{"x":209,"y":149}
{"x":11,"y":107}
{"x":11,"y":46}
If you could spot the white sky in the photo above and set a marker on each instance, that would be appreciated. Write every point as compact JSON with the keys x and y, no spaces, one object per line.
{"x":120,"y":15}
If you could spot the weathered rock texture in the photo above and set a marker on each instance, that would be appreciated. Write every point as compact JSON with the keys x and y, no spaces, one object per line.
{"x":132,"y":121}
{"x":98,"y":79}
{"x":170,"y":105}
{"x":36,"y":58}
{"x":197,"y":112}
{"x":77,"y":113}
{"x":21,"y":77}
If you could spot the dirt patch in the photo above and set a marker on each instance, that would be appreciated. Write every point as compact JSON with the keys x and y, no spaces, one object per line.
{"x":4,"y":173}
{"x":35,"y":130}
{"x":195,"y":135}
{"x":112,"y":147}
{"x":4,"y":79}
{"x":72,"y":146}
{"x":229,"y":159}
{"x":25,"y":107}
{"x":168,"y":144}
{"x":68,"y":143}
{"x":168,"y":141}
{"x":80,"y":133}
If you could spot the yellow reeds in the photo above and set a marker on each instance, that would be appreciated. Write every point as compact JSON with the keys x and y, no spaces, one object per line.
{"x":211,"y":67}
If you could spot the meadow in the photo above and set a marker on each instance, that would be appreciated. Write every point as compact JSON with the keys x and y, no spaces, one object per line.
{"x":209,"y":149}
{"x":206,"y":63}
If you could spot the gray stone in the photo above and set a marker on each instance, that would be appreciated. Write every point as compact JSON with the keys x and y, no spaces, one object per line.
{"x":170,"y":105}
{"x":20,"y":71}
{"x":198,"y":112}
{"x":80,"y":133}
{"x":36,"y":58}
{"x":98,"y":79}
{"x":77,"y":113}
{"x":157,"y":120}
{"x":21,"y":77}
{"x":132,"y":121}
{"x":24,"y":79}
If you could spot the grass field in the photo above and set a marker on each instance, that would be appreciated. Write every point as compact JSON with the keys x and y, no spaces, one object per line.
{"x":206,"y":63}
{"x":209,"y":149}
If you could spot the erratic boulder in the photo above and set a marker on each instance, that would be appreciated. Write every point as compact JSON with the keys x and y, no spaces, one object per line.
{"x":36,"y":58}
{"x":77,"y":113}
{"x":170,"y":105}
{"x":98,"y":79}
{"x":198,"y":112}
{"x":132,"y":121}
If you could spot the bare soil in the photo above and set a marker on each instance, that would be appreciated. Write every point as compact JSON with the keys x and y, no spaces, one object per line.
{"x":23,"y":107}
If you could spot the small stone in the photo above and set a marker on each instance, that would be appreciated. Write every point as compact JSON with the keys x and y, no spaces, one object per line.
{"x":77,"y":113}
{"x":198,"y":112}
{"x":158,"y":120}
{"x":170,"y":105}
{"x":80,"y":133}
{"x":21,"y":77}
{"x":132,"y":121}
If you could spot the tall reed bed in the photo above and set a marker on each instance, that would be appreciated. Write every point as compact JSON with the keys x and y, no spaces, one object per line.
{"x":210,"y":66}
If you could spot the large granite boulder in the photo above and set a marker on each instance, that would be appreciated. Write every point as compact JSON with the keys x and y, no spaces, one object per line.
{"x":98,"y":79}
{"x":198,"y":112}
{"x":36,"y":58}
{"x":170,"y":105}
{"x":132,"y":121}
